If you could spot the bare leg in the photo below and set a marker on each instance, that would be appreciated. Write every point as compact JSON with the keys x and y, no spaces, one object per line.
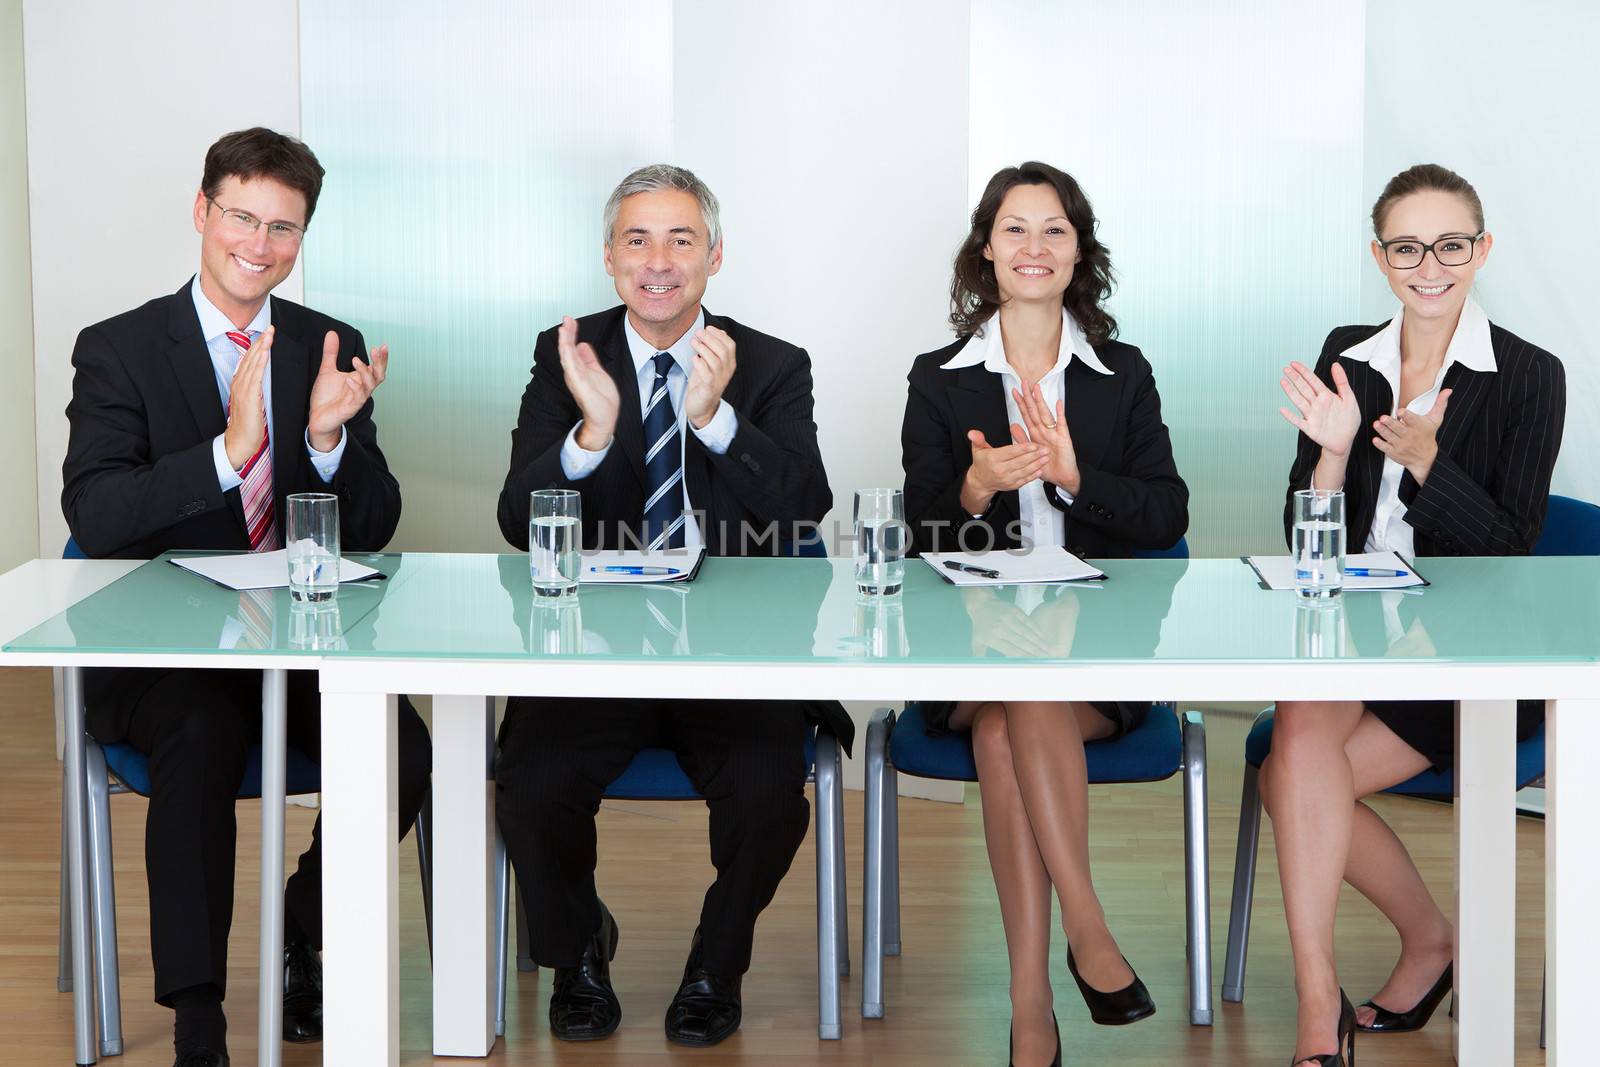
{"x":1021,"y":882}
{"x":1382,"y":870}
{"x":1308,"y":787}
{"x":1047,"y":752}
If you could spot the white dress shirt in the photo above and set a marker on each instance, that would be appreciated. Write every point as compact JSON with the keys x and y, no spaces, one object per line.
{"x":578,"y":462}
{"x":1471,"y":347}
{"x":225,"y":357}
{"x":1042,"y":522}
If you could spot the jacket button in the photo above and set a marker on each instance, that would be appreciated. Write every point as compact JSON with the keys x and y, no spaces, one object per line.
{"x":1109,"y":515}
{"x":744,"y":457}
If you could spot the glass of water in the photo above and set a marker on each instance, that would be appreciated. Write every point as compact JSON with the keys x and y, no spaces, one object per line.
{"x":881,"y":536}
{"x":312,"y":546}
{"x":1319,"y":543}
{"x":553,"y":518}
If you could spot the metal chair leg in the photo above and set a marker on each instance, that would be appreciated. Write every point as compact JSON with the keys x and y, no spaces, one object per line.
{"x":103,"y":893}
{"x":423,"y":832}
{"x":1197,"y":867}
{"x":502,"y":932}
{"x":1244,"y":884}
{"x":872,"y":867}
{"x":828,"y":837}
{"x":75,"y":812}
{"x":891,"y":857}
{"x":64,"y":937}
{"x":840,"y":903}
{"x":1544,"y":982}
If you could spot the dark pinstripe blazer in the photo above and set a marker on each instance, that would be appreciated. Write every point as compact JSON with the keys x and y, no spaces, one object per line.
{"x":771,"y":473}
{"x":1490,"y":485}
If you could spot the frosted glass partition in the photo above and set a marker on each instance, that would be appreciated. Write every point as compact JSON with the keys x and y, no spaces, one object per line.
{"x":1521,"y":129}
{"x":470,"y":149}
{"x":1221,"y":147}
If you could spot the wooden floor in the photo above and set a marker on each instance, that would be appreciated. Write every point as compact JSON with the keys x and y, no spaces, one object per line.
{"x":946,"y":995}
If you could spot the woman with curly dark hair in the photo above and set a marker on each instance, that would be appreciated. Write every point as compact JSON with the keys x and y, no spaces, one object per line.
{"x":1035,"y":427}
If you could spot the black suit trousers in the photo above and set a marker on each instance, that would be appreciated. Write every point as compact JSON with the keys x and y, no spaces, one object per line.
{"x":557,"y":756}
{"x":197,"y":727}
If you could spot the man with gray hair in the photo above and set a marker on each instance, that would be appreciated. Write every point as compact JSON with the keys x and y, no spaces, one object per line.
{"x":680,"y":429}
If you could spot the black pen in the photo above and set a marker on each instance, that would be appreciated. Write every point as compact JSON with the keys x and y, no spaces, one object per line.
{"x":981,"y":572}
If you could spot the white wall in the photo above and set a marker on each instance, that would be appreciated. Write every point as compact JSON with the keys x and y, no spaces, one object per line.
{"x":123,"y":101}
{"x":19,"y":517}
{"x":1505,"y":95}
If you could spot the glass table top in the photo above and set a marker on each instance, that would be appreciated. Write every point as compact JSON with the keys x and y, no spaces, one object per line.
{"x":466,"y":606}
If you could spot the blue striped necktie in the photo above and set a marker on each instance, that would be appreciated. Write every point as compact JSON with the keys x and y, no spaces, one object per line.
{"x":663,"y":465}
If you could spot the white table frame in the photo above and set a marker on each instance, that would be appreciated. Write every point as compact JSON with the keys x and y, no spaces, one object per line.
{"x":361,"y":967}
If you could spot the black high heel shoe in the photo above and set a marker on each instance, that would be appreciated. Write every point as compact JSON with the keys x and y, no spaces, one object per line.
{"x":1011,"y":1059}
{"x":1401,"y":1022}
{"x":1346,"y":1054}
{"x":1118,"y":1008}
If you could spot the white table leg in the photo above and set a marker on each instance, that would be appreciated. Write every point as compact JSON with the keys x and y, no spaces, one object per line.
{"x":1486,"y":881}
{"x":1572,"y":871}
{"x":464,"y":933}
{"x":360,"y":881}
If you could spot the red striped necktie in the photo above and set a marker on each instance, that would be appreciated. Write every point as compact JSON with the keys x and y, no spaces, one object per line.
{"x":260,"y":517}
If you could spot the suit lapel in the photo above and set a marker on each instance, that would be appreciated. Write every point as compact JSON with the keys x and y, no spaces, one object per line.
{"x":613,"y":351}
{"x":1092,"y":402}
{"x":197,"y":378}
{"x":1468,"y":388}
{"x":291,"y":394}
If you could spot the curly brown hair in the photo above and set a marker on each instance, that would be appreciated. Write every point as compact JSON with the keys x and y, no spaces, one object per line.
{"x":974,"y":293}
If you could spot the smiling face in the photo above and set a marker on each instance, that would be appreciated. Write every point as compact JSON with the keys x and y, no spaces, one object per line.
{"x":659,"y":259}
{"x":1033,"y":246}
{"x":1431,"y":290}
{"x":240,"y":267}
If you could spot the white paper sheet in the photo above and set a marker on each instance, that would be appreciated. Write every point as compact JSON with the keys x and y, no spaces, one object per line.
{"x":260,"y":570}
{"x":1040,"y":565}
{"x":680,"y":562}
{"x":1278,"y":571}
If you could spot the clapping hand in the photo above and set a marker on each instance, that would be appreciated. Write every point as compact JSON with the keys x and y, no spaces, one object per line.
{"x":1330,"y":417}
{"x":714,"y":361}
{"x":1410,"y":439}
{"x":999,"y":469}
{"x":337,"y":395}
{"x":247,"y":410}
{"x":591,"y":386}
{"x":1050,"y":433}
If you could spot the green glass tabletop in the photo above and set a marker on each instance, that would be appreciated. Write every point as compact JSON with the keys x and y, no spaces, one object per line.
{"x":161,"y":608}
{"x":1479,"y":609}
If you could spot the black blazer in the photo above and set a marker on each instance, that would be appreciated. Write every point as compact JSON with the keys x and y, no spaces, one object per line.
{"x":1490,"y":485}
{"x":771,"y":473}
{"x":1131,"y":495}
{"x":139,"y":478}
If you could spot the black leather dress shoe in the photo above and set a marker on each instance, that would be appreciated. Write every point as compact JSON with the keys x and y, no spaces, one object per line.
{"x":302,"y":994}
{"x":583,"y":1006}
{"x":202,"y":1057}
{"x":707,"y":1008}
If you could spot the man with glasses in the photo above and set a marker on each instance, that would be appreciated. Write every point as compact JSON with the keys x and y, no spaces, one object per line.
{"x":192,"y":418}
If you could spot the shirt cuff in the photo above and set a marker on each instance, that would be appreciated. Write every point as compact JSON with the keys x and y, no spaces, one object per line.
{"x":719,"y":432}
{"x":227,"y":477}
{"x":326,"y":463}
{"x":578,"y":462}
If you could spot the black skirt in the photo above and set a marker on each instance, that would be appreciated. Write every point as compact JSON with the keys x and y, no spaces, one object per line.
{"x":1429,"y":726}
{"x":1124,"y":716}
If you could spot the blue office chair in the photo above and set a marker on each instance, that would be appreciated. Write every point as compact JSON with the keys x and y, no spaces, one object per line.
{"x":1571,"y":528}
{"x":1163,"y":745}
{"x":121,"y":768}
{"x":655,"y":774}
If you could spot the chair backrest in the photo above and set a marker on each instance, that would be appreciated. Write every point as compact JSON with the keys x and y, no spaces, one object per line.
{"x":1177,"y":551}
{"x":805,"y":547}
{"x":1571,"y":528}
{"x":72,"y":551}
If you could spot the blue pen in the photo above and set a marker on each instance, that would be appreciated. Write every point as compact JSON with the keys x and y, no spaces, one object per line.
{"x":1375,"y":572}
{"x":635,"y":570}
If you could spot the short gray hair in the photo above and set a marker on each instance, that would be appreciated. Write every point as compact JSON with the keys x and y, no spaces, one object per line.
{"x":656,"y":177}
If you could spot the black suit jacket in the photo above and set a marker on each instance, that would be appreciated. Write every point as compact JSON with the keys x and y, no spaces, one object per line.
{"x":1131,"y":495}
{"x":771,"y":473}
{"x":1490,"y":485}
{"x":139,"y":478}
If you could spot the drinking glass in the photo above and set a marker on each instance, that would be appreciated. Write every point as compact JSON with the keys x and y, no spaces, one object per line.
{"x":555,"y":627}
{"x":1319,"y":629}
{"x":553,"y":561}
{"x":313,"y":546}
{"x":881,"y":536}
{"x":316,"y":625}
{"x":1319,"y":543}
